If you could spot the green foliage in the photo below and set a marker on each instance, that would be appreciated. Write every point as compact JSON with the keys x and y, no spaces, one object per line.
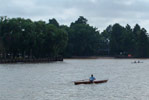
{"x":39,"y":39}
{"x":83,"y":39}
{"x":128,"y":41}
{"x":142,"y":44}
{"x":125,"y":40}
{"x":32,"y":39}
{"x":54,"y":22}
{"x":116,"y":39}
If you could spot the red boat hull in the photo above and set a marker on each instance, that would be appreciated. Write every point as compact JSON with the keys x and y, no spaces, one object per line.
{"x":88,"y":82}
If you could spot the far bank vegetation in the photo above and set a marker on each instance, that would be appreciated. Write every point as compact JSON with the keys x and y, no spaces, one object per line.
{"x":25,"y":38}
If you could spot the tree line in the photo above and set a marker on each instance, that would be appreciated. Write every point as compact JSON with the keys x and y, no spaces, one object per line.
{"x":40,"y":39}
{"x":25,"y":38}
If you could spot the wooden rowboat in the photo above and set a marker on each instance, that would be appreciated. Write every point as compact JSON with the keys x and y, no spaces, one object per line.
{"x":88,"y":82}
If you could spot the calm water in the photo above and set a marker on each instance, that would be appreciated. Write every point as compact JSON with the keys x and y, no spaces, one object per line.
{"x":54,"y":81}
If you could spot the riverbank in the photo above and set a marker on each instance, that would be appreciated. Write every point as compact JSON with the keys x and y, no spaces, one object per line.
{"x":90,"y":57}
{"x":30,"y":60}
{"x":104,"y":57}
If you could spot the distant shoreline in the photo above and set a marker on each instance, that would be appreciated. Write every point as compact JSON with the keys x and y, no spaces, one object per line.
{"x":90,"y":57}
{"x":102,"y":57}
{"x":30,"y":60}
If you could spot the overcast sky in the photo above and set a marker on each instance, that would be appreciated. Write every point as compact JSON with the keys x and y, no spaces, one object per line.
{"x":100,"y":13}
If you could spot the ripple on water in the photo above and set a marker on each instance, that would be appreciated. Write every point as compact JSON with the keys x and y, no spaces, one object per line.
{"x":54,"y":81}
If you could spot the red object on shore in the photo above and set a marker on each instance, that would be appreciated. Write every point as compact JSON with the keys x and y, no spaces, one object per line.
{"x":129,"y":55}
{"x":88,"y":82}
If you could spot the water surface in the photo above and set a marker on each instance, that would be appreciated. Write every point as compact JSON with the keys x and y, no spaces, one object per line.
{"x":54,"y":81}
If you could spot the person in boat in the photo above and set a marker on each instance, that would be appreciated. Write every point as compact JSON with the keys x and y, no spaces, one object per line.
{"x":138,"y":61}
{"x":92,"y":78}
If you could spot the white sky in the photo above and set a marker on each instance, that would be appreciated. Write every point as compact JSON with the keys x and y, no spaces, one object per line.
{"x":100,"y":13}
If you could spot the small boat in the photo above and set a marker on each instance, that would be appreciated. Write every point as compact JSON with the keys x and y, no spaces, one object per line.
{"x":137,"y":62}
{"x":89,"y":82}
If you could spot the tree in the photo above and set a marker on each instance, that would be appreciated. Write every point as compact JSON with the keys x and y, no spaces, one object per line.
{"x":80,"y":20}
{"x":142,"y":44}
{"x":105,"y":40}
{"x":54,"y":22}
{"x":83,"y":39}
{"x":37,"y":39}
{"x":116,"y":39}
{"x":128,"y":41}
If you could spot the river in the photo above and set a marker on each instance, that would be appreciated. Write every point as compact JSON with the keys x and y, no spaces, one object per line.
{"x":55,"y":81}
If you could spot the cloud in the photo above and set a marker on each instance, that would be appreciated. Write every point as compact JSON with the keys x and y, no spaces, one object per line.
{"x":93,"y":1}
{"x":100,"y":13}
